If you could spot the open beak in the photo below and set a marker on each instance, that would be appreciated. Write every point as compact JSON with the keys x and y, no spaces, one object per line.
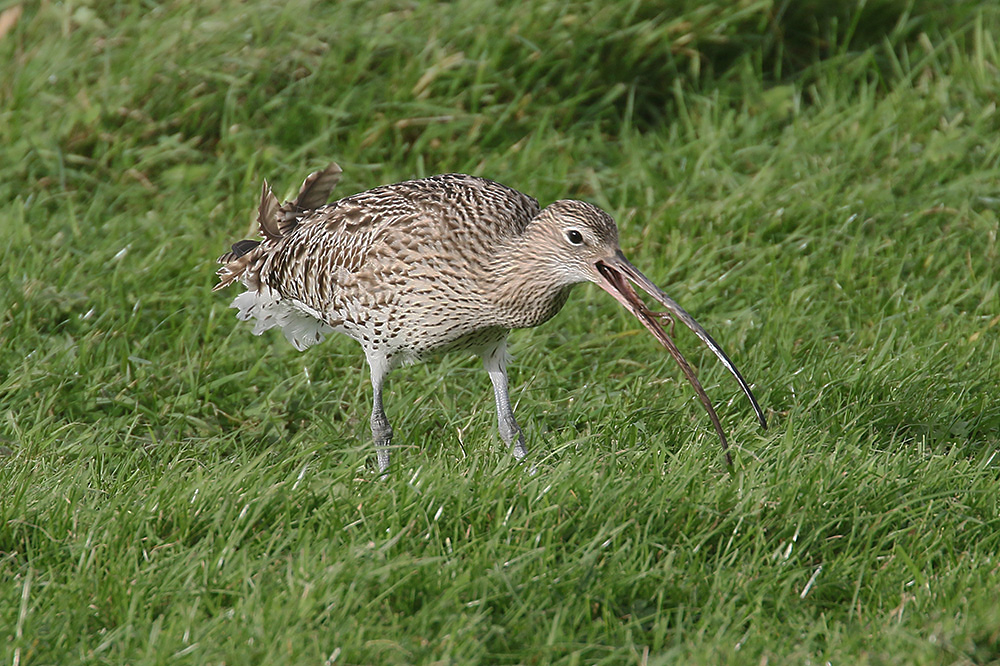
{"x":616,"y":276}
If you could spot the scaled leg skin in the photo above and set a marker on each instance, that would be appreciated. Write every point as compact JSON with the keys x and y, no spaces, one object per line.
{"x":495,"y":362}
{"x":381,"y":430}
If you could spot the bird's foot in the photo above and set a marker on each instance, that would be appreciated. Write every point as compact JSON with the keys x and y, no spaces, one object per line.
{"x":382,"y":455}
{"x":520,"y":450}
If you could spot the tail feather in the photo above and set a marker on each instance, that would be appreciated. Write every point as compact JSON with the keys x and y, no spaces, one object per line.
{"x":267,"y":214}
{"x":239,"y":248}
{"x":301,"y":328}
{"x":301,"y":325}
{"x":314,"y":193}
{"x":316,"y":188}
{"x":233,"y":269}
{"x":276,"y":221}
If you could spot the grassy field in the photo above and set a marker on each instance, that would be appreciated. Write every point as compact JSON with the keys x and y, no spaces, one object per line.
{"x":818,"y":183}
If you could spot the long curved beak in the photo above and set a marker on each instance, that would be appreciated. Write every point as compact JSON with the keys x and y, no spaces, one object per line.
{"x":616,"y":276}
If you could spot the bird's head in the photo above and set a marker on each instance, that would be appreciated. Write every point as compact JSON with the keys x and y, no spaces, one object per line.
{"x":578,"y":242}
{"x":571,"y":237}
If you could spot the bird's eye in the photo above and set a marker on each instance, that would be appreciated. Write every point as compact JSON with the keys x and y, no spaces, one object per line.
{"x":574,"y":237}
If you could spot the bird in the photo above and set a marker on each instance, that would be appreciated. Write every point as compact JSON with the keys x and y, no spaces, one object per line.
{"x":444,"y":263}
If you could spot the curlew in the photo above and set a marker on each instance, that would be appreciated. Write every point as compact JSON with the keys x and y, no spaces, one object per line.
{"x":450,"y":262}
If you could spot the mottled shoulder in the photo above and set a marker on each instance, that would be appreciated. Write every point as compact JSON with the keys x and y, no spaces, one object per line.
{"x":485,"y":201}
{"x":410,"y":213}
{"x":447,"y":196}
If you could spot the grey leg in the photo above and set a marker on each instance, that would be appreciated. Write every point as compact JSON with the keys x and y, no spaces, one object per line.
{"x":495,"y":362}
{"x":381,"y":430}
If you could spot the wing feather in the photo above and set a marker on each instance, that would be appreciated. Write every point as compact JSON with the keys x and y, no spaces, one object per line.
{"x":351,"y":248}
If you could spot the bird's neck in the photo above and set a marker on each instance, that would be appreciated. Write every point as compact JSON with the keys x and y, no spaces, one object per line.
{"x":524,"y":288}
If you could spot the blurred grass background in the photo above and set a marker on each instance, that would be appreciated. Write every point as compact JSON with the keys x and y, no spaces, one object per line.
{"x":817,"y":183}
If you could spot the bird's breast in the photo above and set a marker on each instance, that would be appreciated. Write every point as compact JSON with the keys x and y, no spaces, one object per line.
{"x":525,"y":308}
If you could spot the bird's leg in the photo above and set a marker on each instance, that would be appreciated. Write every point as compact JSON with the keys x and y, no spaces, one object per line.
{"x":495,"y":362}
{"x":381,"y":430}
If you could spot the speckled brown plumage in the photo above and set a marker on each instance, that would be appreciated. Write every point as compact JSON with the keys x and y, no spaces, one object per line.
{"x":430,"y":265}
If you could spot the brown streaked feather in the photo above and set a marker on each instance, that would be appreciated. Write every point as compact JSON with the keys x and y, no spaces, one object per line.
{"x":267,"y":214}
{"x":233,"y":268}
{"x":316,"y":188}
{"x":313,"y":194}
{"x":339,"y":251}
{"x":276,"y":221}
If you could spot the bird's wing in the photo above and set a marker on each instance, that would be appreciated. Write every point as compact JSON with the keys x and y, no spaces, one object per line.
{"x":315,"y":255}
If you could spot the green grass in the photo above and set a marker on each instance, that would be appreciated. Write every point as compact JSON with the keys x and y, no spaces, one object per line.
{"x":819,"y":184}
